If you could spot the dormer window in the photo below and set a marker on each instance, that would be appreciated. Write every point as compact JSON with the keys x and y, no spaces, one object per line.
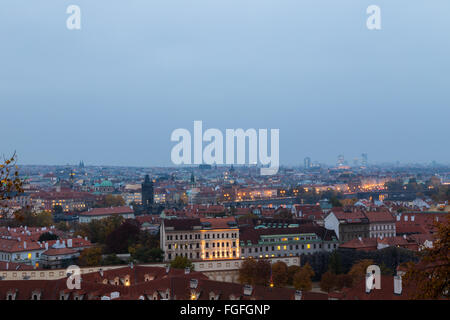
{"x":35,"y":295}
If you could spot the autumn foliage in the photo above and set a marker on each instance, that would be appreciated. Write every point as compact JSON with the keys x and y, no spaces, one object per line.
{"x":431,"y":276}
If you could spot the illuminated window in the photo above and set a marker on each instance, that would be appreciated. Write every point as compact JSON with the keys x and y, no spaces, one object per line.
{"x":308,"y":246}
{"x":278,"y":248}
{"x":29,"y":256}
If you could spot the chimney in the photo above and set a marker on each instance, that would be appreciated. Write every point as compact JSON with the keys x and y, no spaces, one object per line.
{"x":369,"y":285}
{"x":397,"y":285}
{"x":193,"y":283}
{"x":298,"y":295}
{"x":248,"y":289}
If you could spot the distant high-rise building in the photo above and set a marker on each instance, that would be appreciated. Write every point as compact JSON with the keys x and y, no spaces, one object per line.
{"x":307,"y":162}
{"x":147,"y":192}
{"x":364,"y":159}
{"x":340,"y":160}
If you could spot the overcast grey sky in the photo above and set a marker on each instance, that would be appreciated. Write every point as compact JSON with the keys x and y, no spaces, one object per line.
{"x":112,"y":92}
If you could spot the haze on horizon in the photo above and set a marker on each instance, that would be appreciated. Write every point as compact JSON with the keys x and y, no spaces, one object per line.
{"x":113,"y":92}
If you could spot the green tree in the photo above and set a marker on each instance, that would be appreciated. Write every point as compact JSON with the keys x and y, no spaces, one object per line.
{"x":10,"y":183}
{"x":280,"y":275}
{"x":47,"y":236}
{"x":335,"y":202}
{"x":181,"y":263}
{"x":144,"y":255}
{"x":90,"y":257}
{"x":359,"y":269}
{"x":247,"y":271}
{"x":110,"y":200}
{"x":343,"y":281}
{"x":62,"y":226}
{"x":255,"y":272}
{"x":292,"y":270}
{"x":111,"y":260}
{"x":431,"y":276}
{"x":262,"y":273}
{"x":302,"y":279}
{"x":98,"y":230}
{"x":328,"y":282}
{"x":27,"y":217}
{"x":125,"y":235}
{"x":335,"y":263}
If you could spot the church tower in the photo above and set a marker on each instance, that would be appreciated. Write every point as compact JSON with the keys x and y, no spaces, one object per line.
{"x":147,"y":192}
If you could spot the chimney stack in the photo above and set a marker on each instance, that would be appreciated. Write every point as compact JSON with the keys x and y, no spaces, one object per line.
{"x":369,"y":282}
{"x":397,"y":285}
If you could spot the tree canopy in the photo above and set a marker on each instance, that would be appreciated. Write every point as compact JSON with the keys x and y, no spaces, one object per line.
{"x":431,"y":276}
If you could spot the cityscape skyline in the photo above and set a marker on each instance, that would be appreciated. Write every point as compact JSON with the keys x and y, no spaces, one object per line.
{"x":113,"y":92}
